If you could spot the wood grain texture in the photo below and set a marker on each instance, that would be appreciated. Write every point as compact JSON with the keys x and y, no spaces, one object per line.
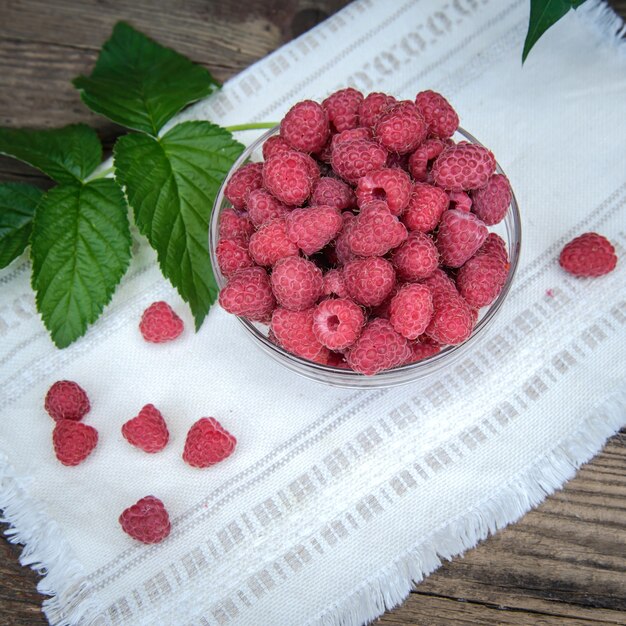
{"x":563,"y":563}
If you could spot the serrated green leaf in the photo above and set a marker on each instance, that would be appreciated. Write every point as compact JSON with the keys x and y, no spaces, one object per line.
{"x":80,"y":247}
{"x":66,"y":154}
{"x":17,"y":208}
{"x":140,"y":84}
{"x":171,"y":183}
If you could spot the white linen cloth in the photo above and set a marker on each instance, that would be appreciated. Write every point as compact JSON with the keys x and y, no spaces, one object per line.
{"x":335,"y":500}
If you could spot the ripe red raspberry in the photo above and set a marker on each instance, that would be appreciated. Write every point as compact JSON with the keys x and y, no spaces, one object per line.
{"x":334,"y":284}
{"x":421,"y":160}
{"x":294,"y":332}
{"x":207,"y":443}
{"x":342,"y":247}
{"x":274,"y":145}
{"x":232,"y":255}
{"x":391,"y":185}
{"x":378,"y":348}
{"x":350,"y":135}
{"x":296,"y":283}
{"x":460,"y":200}
{"x":588,"y":255}
{"x":494,"y":244}
{"x":441,"y":118}
{"x":353,"y":159}
{"x":248,"y":294}
{"x":417,"y":258}
{"x":441,"y":285}
{"x":159,"y":323}
{"x":305,"y":127}
{"x":147,"y":430}
{"x":146,"y":520}
{"x":288,"y":177}
{"x":374,"y":105}
{"x":376,"y":231}
{"x":411,"y":309}
{"x":333,"y":192}
{"x":481,"y":278}
{"x":271,"y":243}
{"x":369,"y":281}
{"x":343,"y":109}
{"x":459,"y":237}
{"x":313,"y":227}
{"x":66,"y":400}
{"x":242,"y":182}
{"x":401,"y":128}
{"x":234,"y":224}
{"x":337,"y":322}
{"x":422,"y":348}
{"x":464,"y":166}
{"x":73,"y":441}
{"x":263,"y":207}
{"x":452,"y":321}
{"x":426,"y":206}
{"x":492,"y":202}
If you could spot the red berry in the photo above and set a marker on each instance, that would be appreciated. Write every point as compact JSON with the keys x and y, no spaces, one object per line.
{"x":391,"y":185}
{"x":481,"y":278}
{"x":452,"y":321}
{"x":460,"y":200}
{"x":353,"y":159}
{"x":494,"y":244}
{"x":334,"y":284}
{"x":147,"y":430}
{"x":296,"y":283}
{"x":423,"y":157}
{"x":305,"y":127}
{"x":234,"y":225}
{"x":73,"y":441}
{"x":313,"y":227}
{"x":350,"y":135}
{"x":232,"y":255}
{"x":274,"y":145}
{"x":464,"y":166}
{"x":248,"y":294}
{"x":342,"y":248}
{"x":343,"y":109}
{"x":459,"y":237}
{"x":411,"y":309}
{"x":369,"y":281}
{"x":588,"y":255}
{"x":441,"y":285}
{"x":271,"y":243}
{"x":207,"y":443}
{"x":376,"y":231}
{"x":288,"y":177}
{"x":146,"y":520}
{"x":422,"y":348}
{"x":417,"y":258}
{"x":263,"y":207}
{"x":439,"y":115}
{"x":242,"y":182}
{"x":401,"y":128}
{"x":492,"y":201}
{"x":159,"y":323}
{"x":425,"y":208}
{"x":66,"y":400}
{"x":333,"y":192}
{"x":294,"y":332}
{"x":337,"y":322}
{"x":374,"y":105}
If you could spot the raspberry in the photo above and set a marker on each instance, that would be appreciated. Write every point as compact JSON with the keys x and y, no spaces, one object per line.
{"x":401,"y":128}
{"x":333,"y":192}
{"x":440,"y":117}
{"x":460,"y":235}
{"x":159,"y":323}
{"x":452,"y":321}
{"x":342,"y":248}
{"x":296,"y":283}
{"x":494,"y":244}
{"x":263,"y":207}
{"x":369,"y":281}
{"x":66,"y":400}
{"x":343,"y":109}
{"x":207,"y":443}
{"x":411,"y":309}
{"x":426,"y":206}
{"x":305,"y":127}
{"x":350,"y":135}
{"x":146,"y":520}
{"x":391,"y":185}
{"x":234,"y":224}
{"x":242,"y":182}
{"x":464,"y":166}
{"x":337,"y":323}
{"x":271,"y":243}
{"x":147,"y":430}
{"x":313,"y":227}
{"x":460,"y":200}
{"x":588,"y":255}
{"x":274,"y":145}
{"x":248,"y":294}
{"x":374,"y":105}
{"x":232,"y":255}
{"x":481,"y":279}
{"x":422,"y":158}
{"x":73,"y":441}
{"x":416,"y":258}
{"x":422,"y":348}
{"x":492,"y":202}
{"x":441,"y":285}
{"x":288,"y":177}
{"x":353,"y":159}
{"x":376,"y":231}
{"x":378,"y":348}
{"x":334,"y":284}
{"x":294,"y":332}
{"x":382,"y":309}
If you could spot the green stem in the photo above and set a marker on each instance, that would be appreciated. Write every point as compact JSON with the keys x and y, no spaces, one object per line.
{"x":256,"y":125}
{"x":102,"y":174}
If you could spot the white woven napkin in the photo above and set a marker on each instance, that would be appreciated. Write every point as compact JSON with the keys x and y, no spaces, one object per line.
{"x":334,"y":500}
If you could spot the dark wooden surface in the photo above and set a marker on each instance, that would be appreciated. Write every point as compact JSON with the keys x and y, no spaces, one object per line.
{"x":563,"y":563}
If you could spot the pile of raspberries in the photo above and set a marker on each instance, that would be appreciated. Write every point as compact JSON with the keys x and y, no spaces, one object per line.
{"x":362,"y":237}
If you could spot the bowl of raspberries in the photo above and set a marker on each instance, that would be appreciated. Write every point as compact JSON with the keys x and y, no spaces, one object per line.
{"x":365,"y":241}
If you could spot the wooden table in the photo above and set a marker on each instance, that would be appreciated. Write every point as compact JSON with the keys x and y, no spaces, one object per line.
{"x":563,"y":563}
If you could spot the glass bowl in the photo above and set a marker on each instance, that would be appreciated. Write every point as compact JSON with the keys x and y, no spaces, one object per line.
{"x":509,"y":229}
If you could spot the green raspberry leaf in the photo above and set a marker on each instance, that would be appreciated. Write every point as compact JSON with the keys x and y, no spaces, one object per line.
{"x":66,"y":154}
{"x":140,"y":84}
{"x":17,"y":208}
{"x":80,"y":247}
{"x":171,"y":183}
